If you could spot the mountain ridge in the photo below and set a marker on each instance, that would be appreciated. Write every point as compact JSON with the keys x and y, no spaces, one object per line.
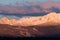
{"x":40,"y":26}
{"x":52,"y":18}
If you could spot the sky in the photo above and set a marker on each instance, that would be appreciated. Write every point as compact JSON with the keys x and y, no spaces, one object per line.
{"x":36,"y":6}
{"x":28,"y":6}
{"x":6,"y":2}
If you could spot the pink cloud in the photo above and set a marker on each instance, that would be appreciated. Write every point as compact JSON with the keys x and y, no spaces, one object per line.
{"x":33,"y":9}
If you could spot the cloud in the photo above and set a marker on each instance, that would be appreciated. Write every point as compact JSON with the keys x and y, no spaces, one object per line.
{"x":31,"y":8}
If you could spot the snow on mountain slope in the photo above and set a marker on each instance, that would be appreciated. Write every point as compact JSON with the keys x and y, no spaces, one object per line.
{"x":51,"y":18}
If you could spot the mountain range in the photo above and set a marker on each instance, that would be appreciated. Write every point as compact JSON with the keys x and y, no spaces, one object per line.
{"x":43,"y":26}
{"x":35,"y":20}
